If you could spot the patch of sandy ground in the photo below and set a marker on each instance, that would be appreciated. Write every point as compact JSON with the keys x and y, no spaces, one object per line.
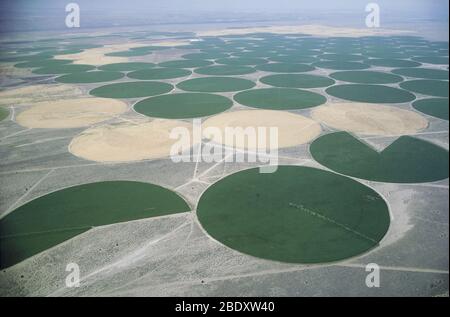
{"x":8,"y":69}
{"x":316,"y":30}
{"x":130,"y":141}
{"x":171,"y":43}
{"x":293,"y":129}
{"x":369,"y":119}
{"x":38,"y":93}
{"x":97,"y":57}
{"x":70,"y":113}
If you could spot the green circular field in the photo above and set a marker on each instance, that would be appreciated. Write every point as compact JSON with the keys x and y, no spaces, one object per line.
{"x":285,"y":68}
{"x":434,"y":88}
{"x":159,"y":73}
{"x":339,"y":65}
{"x":279,"y":98}
{"x":366,"y":77}
{"x":436,"y":60}
{"x":43,"y":63}
{"x":205,"y":56}
{"x":370,"y":93}
{"x":4,"y":113}
{"x":135,"y":89}
{"x":130,"y":53}
{"x":225,"y":70}
{"x":294,"y":59}
{"x":187,"y":63}
{"x":183,"y":105}
{"x":54,"y":218}
{"x":342,"y":57}
{"x":297,"y":81}
{"x":63,"y":69}
{"x":216,"y":84}
{"x":89,"y":77}
{"x":436,"y":107}
{"x":393,"y":63}
{"x":424,"y":73}
{"x":241,"y":61}
{"x":407,"y":160}
{"x":323,"y":217}
{"x":124,"y":67}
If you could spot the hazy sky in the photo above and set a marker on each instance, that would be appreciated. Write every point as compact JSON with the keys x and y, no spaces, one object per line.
{"x":49,"y":14}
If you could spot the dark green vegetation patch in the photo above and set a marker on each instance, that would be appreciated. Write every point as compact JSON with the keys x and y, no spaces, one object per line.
{"x":241,"y":61}
{"x":434,"y":88}
{"x":216,"y":84}
{"x":341,"y":65}
{"x":279,"y":98}
{"x":285,"y":68}
{"x":370,"y":93}
{"x":136,"y":89}
{"x":63,"y":69}
{"x":436,"y":60}
{"x":366,"y":77}
{"x":295,"y":215}
{"x":407,"y":160}
{"x":383,"y":62}
{"x":43,"y":63}
{"x":184,"y":105}
{"x":436,"y":107}
{"x":159,"y":73}
{"x":89,"y":77}
{"x":297,"y":81}
{"x":225,"y":70}
{"x":4,"y":113}
{"x":59,"y":216}
{"x":186,"y":63}
{"x":425,"y":73}
{"x":121,"y":67}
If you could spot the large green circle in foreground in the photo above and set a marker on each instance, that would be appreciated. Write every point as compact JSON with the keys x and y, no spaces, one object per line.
{"x":59,"y":216}
{"x":434,"y":88}
{"x":407,"y":160}
{"x":121,"y":67}
{"x":225,"y":70}
{"x":366,"y":77}
{"x":297,"y":81}
{"x":296,"y":215}
{"x":279,"y":98}
{"x":89,"y":77}
{"x":159,"y":73}
{"x":436,"y":107}
{"x":370,"y":93}
{"x":184,"y":105}
{"x":135,"y":89}
{"x":424,"y":73}
{"x":285,"y":68}
{"x":216,"y":84}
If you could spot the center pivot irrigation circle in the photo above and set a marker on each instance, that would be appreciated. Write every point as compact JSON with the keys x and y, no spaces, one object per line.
{"x":183,"y":105}
{"x":295,"y":215}
{"x":135,"y":89}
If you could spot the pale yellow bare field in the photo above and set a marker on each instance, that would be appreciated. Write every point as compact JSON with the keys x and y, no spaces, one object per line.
{"x":369,"y":119}
{"x":38,"y":93}
{"x":70,"y":113}
{"x":293,"y":129}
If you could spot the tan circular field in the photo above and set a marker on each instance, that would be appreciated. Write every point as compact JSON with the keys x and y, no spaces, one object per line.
{"x":127,"y":141}
{"x":37,"y":93}
{"x":293,"y":129}
{"x":370,"y":119}
{"x":70,"y":113}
